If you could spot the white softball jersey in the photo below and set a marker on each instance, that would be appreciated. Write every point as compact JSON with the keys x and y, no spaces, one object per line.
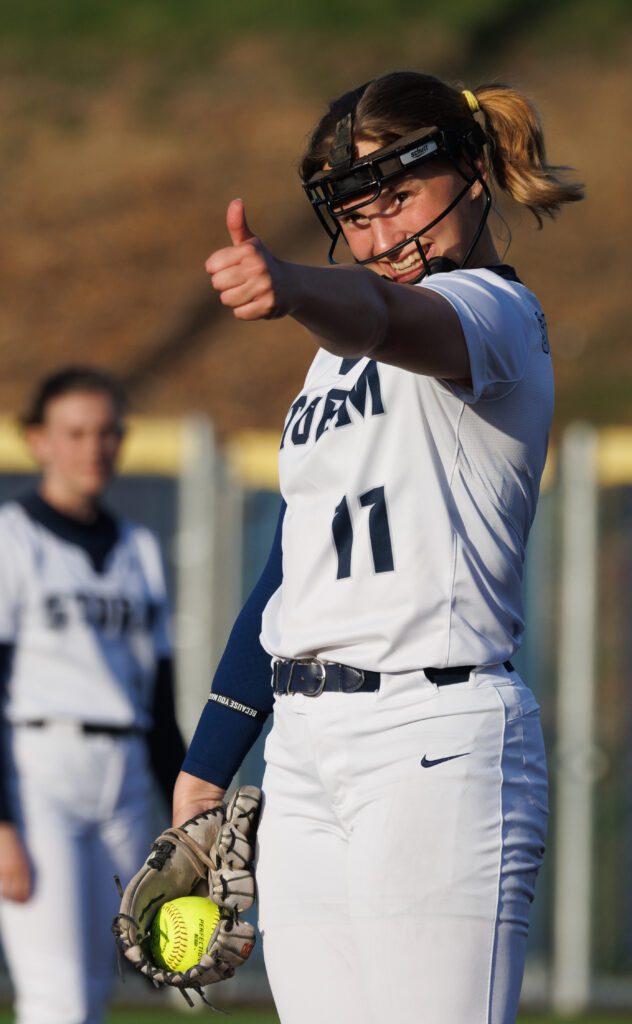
{"x":410,"y":499}
{"x":86,"y":641}
{"x":84,"y":613}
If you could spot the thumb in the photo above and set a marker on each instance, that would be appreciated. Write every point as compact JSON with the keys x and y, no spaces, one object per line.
{"x":237,"y":224}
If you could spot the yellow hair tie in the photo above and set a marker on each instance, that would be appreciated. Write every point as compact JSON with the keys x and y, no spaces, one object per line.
{"x":472,"y":102}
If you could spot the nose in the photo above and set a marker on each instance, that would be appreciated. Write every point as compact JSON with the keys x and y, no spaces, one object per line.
{"x":385,"y":234}
{"x":95,"y":448}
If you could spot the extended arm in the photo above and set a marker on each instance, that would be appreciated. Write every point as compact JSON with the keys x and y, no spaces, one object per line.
{"x":351,"y":311}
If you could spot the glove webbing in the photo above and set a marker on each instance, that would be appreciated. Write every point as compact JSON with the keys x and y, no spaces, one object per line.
{"x":190,"y":848}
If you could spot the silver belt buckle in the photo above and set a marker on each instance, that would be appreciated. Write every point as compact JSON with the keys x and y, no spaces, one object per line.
{"x":276,"y":665}
{"x":321,"y":680}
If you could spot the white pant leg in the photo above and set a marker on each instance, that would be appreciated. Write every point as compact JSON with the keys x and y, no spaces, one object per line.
{"x":75,"y":805}
{"x":43,"y":938}
{"x":303,"y":886}
{"x":525,"y":811}
{"x":119,"y":845}
{"x":440,"y":861}
{"x":442,"y":887}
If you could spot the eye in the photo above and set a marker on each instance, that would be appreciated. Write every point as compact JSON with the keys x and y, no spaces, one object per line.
{"x":351,"y":218}
{"x":400,"y":197}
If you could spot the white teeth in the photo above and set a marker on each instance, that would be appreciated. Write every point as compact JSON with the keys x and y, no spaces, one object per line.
{"x":406,"y":264}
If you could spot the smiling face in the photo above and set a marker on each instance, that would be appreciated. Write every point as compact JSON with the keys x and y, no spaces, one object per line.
{"x":404,"y":207}
{"x":77,"y":445}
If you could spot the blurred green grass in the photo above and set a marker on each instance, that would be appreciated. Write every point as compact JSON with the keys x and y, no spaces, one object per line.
{"x":85,"y":43}
{"x":142,"y":21}
{"x":267,"y":1016}
{"x":146,"y":22}
{"x":44,"y":30}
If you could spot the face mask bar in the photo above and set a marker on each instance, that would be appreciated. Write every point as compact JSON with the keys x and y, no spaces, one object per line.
{"x":437,"y":264}
{"x":332,"y":192}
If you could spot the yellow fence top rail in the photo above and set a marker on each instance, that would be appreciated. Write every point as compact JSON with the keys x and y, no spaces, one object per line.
{"x":158,"y":445}
{"x":254,"y":457}
{"x":151,"y":446}
{"x":614,"y":456}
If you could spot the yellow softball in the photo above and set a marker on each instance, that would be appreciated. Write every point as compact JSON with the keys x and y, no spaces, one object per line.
{"x":181,"y":930}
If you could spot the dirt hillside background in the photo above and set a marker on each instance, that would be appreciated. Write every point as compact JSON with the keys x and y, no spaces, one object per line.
{"x":121,"y":149}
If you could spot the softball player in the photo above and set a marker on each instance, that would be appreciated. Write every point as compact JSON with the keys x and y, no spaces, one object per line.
{"x":405,"y":786}
{"x":87,"y":704}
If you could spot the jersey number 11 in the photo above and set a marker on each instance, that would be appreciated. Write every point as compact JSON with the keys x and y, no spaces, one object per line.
{"x":379,"y":533}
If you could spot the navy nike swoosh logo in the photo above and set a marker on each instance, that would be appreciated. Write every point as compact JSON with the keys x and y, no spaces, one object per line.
{"x":427,"y":763}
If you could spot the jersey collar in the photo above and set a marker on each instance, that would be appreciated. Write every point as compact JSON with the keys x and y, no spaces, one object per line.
{"x":96,"y":539}
{"x":504,"y":270}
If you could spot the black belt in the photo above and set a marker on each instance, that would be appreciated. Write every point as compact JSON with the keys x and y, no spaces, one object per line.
{"x":90,"y":728}
{"x":458,"y":674}
{"x":312,"y":677}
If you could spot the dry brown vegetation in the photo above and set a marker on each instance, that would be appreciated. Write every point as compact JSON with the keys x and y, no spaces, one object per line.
{"x":114,"y":194}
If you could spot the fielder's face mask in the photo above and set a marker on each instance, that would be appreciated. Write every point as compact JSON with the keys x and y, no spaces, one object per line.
{"x":348,"y":184}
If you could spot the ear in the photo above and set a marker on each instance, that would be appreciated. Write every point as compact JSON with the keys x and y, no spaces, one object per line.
{"x":476,"y":190}
{"x":480,"y":164}
{"x":37,"y":441}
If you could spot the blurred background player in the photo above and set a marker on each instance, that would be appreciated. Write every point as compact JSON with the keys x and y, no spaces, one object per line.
{"x":405,"y":794}
{"x":88,"y":706}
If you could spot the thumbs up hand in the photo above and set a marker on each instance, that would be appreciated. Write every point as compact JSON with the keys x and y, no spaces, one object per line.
{"x":249,"y":280}
{"x":237,"y":224}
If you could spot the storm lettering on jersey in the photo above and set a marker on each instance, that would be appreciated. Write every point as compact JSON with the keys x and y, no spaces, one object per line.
{"x":333,"y":408}
{"x":117,"y":615}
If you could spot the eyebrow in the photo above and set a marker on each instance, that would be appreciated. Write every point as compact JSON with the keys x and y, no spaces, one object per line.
{"x":399,"y":183}
{"x":388,"y":189}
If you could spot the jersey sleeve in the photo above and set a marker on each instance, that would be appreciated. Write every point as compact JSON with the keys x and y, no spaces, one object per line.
{"x":241,"y":696}
{"x":498,"y":326}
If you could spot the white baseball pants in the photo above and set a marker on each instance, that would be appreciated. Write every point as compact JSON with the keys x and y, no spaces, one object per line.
{"x":83,"y":803}
{"x":399,"y":844}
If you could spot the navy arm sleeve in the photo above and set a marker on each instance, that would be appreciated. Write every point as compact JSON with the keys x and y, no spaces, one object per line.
{"x":225,"y":733}
{"x":165,"y":743}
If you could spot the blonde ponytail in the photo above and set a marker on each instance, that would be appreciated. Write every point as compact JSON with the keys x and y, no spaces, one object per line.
{"x":517,"y":153}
